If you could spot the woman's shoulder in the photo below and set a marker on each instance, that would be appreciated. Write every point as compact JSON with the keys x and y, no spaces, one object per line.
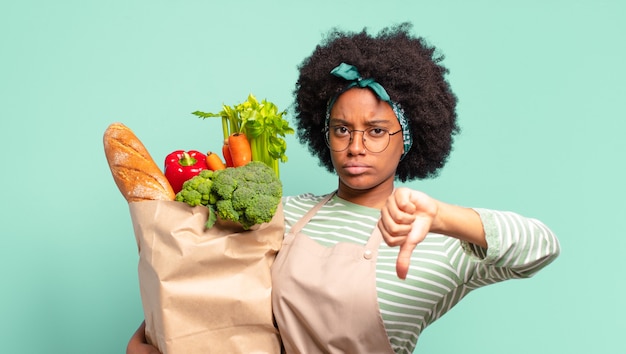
{"x":302,"y":199}
{"x":296,"y":206}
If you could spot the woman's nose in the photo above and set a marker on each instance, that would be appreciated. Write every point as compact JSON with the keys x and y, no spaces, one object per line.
{"x":357,"y":143}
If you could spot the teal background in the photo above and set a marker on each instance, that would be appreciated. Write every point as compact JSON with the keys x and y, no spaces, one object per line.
{"x":541,"y":90}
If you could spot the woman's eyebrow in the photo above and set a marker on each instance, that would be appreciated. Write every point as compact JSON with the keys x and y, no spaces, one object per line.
{"x":371,"y":122}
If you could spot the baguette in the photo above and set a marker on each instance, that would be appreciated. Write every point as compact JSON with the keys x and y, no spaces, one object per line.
{"x":136,"y":174}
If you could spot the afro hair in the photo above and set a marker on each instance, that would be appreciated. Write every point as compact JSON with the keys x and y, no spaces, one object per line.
{"x":411,"y":72}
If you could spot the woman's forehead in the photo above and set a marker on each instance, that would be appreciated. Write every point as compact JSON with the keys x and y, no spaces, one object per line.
{"x":362,"y":105}
{"x":373,"y":121}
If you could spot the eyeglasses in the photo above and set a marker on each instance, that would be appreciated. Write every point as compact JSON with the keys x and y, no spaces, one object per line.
{"x":339,"y":137}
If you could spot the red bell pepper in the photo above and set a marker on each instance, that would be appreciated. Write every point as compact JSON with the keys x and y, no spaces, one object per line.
{"x":181,"y":166}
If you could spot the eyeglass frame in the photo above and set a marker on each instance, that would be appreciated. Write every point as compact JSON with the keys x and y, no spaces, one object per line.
{"x":326,"y":132}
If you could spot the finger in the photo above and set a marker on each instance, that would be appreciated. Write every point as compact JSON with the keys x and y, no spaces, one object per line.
{"x":393,"y":234}
{"x":396,"y":221}
{"x":394,"y":241}
{"x":404,"y":259}
{"x":420,"y":229}
{"x":403,"y":200}
{"x":404,"y":255}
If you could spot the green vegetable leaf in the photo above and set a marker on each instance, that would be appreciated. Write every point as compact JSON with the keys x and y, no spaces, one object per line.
{"x":262,"y":123}
{"x":205,"y":115}
{"x":212,"y":217}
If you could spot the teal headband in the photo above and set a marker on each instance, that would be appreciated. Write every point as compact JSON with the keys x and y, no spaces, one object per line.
{"x":351,"y":74}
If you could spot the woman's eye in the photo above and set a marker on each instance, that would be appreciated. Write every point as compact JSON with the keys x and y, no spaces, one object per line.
{"x":377,"y":132}
{"x":341,"y":131}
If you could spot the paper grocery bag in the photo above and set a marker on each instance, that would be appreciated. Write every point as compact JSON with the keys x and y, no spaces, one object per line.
{"x":205,"y":290}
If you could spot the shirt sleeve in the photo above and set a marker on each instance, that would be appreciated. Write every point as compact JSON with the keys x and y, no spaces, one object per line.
{"x":517,"y":247}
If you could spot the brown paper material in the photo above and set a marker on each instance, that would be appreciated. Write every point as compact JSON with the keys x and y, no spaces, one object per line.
{"x":205,"y":291}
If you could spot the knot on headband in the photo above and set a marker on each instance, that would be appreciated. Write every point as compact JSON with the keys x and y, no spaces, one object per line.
{"x":350,"y":73}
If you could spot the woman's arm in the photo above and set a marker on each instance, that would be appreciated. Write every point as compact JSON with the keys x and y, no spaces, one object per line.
{"x":138,"y":343}
{"x":518,"y":247}
{"x":498,"y":238}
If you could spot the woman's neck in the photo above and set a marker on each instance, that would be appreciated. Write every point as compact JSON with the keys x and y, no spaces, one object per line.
{"x":374,"y":197}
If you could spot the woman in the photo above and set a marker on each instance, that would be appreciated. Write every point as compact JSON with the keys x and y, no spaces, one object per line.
{"x":376,"y":109}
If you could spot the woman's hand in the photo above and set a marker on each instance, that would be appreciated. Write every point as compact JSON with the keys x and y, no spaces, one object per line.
{"x":406,"y":219}
{"x":409,"y":215}
{"x":138,"y":343}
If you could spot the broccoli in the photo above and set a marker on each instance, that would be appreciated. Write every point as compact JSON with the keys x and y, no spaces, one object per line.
{"x":197,"y":190}
{"x":248,"y":195}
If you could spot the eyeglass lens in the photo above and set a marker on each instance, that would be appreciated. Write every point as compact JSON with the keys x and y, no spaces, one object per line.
{"x":338,"y":138}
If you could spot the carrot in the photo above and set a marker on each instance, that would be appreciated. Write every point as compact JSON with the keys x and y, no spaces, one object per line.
{"x":214,"y":162}
{"x":239,"y":148}
{"x":226,"y":154}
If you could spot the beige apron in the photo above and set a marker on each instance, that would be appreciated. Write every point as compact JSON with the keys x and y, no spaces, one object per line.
{"x":324,"y":298}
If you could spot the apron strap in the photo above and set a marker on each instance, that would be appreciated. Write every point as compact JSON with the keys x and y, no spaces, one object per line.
{"x":375,"y":239}
{"x":372,"y":245}
{"x":307,"y":217}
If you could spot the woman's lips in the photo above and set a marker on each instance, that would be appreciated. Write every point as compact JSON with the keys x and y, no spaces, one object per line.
{"x":355,"y":168}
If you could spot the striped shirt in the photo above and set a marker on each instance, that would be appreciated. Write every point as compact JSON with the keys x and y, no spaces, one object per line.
{"x":443,"y":269}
